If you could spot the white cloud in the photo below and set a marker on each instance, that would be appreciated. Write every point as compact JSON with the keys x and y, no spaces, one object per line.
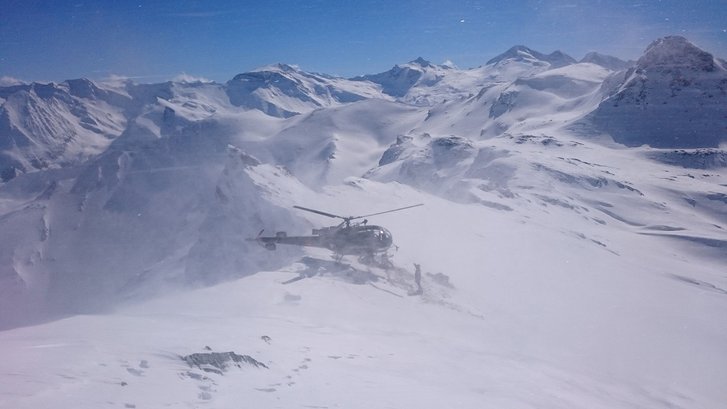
{"x":6,"y":81}
{"x":184,"y":77}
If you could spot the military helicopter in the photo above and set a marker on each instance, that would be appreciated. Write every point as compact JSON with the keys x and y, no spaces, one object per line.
{"x":347,"y":238}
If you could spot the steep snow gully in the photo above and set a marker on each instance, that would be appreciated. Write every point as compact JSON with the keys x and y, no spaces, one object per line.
{"x":571,"y":250}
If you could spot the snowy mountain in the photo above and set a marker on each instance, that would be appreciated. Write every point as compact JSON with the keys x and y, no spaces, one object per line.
{"x":56,"y":125}
{"x":59,"y":125}
{"x":422,"y":83}
{"x":45,"y":124}
{"x":675,"y":97}
{"x":418,"y":82}
{"x":532,"y":102}
{"x":282,"y":90}
{"x":560,"y":267}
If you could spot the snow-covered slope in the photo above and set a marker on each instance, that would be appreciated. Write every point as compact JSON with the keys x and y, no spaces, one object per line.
{"x":327,"y":146}
{"x":132,"y":221}
{"x":675,"y":97}
{"x":540,"y":174}
{"x":534,"y":102}
{"x":517,"y":311}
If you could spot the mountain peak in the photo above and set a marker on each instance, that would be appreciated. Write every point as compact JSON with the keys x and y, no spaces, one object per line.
{"x":400,"y":78}
{"x":82,"y":87}
{"x":668,"y":99}
{"x":518,"y":52}
{"x":279,"y":67}
{"x":675,"y":51}
{"x":525,"y":54}
{"x":559,"y":59}
{"x":421,"y":62}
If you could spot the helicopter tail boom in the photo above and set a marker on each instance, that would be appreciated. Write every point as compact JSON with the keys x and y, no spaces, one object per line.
{"x":271,"y":242}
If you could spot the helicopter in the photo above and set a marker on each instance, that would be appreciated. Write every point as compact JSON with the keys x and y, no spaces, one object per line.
{"x":347,"y":238}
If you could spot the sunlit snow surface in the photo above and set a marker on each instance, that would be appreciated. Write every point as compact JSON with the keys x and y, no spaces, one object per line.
{"x":537,"y":316}
{"x":561,"y":270}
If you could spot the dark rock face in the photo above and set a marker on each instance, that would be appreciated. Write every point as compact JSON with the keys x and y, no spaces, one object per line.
{"x":675,"y":52}
{"x":692,"y":159}
{"x":606,"y":61}
{"x":219,"y":362}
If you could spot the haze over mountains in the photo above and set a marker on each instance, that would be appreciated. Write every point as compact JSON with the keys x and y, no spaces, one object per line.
{"x":573,"y":227}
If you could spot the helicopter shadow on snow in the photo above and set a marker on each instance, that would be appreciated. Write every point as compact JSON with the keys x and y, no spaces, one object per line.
{"x":396,"y":281}
{"x":336,"y":269}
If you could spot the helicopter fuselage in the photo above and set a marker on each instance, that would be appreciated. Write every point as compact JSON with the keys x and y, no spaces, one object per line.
{"x":344,"y":240}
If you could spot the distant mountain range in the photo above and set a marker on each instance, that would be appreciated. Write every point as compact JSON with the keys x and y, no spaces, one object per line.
{"x":673,"y":96}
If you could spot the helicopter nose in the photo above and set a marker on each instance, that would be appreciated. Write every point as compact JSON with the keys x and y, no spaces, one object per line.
{"x":386,"y":239}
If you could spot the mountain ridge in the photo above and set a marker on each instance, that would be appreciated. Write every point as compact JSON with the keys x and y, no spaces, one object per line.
{"x":555,"y":59}
{"x":57,"y":124}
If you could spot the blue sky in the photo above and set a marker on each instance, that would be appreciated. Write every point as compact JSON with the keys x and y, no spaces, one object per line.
{"x":157,"y":40}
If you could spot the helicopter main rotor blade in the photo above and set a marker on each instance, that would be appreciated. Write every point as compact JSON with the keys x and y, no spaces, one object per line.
{"x":388,"y":211}
{"x":320,"y":212}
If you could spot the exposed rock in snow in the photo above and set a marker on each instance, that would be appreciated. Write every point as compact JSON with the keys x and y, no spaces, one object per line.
{"x":219,"y":362}
{"x":692,"y":159}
